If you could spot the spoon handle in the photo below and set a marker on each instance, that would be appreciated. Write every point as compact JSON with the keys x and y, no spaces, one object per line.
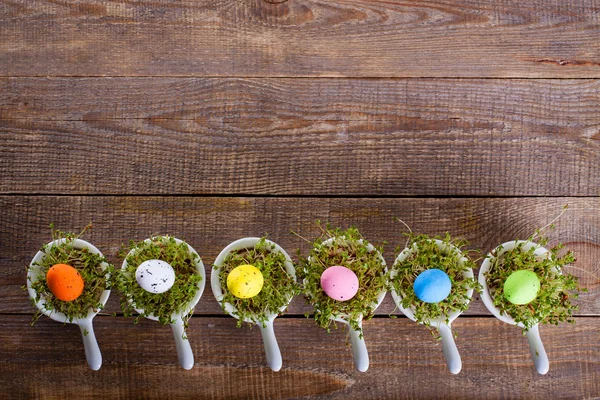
{"x":359,"y":349}
{"x":271,"y":347}
{"x":536,"y":348}
{"x":92,"y":351}
{"x":184,"y":350}
{"x":449,"y":348}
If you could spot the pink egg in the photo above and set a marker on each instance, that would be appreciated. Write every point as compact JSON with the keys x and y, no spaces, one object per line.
{"x":339,"y":283}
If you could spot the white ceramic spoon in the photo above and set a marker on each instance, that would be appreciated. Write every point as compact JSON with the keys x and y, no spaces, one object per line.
{"x":272,"y":351}
{"x":359,"y":348}
{"x":92,"y":351}
{"x":184,"y":350}
{"x":536,"y":347}
{"x":449,"y":348}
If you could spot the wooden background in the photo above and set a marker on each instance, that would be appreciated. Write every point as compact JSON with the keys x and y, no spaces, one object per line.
{"x":214,"y":120}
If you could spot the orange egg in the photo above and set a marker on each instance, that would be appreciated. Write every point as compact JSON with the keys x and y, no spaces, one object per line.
{"x":64,"y":282}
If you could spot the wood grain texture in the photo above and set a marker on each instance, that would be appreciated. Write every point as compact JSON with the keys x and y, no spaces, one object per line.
{"x":300,"y":137}
{"x":449,"y":38}
{"x":175,"y":116}
{"x":140,"y":360}
{"x":209,"y":224}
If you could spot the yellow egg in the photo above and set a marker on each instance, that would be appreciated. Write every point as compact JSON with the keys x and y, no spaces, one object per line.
{"x":245,"y":281}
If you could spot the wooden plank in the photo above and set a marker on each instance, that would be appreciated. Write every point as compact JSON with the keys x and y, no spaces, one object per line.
{"x":209,"y":224}
{"x":449,"y":38}
{"x":561,"y":103}
{"x":300,"y":137}
{"x":140,"y":361}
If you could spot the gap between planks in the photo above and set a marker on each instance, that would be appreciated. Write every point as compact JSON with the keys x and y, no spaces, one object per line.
{"x":307,"y":77}
{"x":292,"y":196}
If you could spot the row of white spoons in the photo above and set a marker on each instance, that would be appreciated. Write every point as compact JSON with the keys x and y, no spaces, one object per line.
{"x":273,"y":354}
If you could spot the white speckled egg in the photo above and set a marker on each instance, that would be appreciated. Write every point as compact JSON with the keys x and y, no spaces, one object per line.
{"x":155,"y":276}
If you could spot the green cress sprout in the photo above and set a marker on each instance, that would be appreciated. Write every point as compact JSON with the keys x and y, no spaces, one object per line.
{"x":429,"y":255}
{"x":89,"y":266}
{"x":174,"y":300}
{"x":553,"y":302}
{"x":277,"y":289}
{"x":347,"y":250}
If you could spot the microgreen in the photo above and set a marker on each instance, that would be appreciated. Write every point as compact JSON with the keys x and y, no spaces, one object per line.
{"x":348,"y":249}
{"x":553,"y":302}
{"x":427,"y":254}
{"x":278,"y":287}
{"x":88,"y":264}
{"x":160,"y":305}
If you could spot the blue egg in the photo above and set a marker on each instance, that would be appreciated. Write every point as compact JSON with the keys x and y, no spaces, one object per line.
{"x":432,"y":285}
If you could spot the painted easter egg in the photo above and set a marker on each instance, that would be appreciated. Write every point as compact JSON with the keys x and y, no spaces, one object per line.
{"x":432,"y":285}
{"x":521,"y":287}
{"x":155,"y":276}
{"x":65,"y":282}
{"x":339,"y":283}
{"x":245,"y":281}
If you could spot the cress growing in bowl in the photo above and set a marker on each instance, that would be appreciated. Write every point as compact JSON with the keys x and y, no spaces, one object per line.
{"x":432,"y":283}
{"x":68,"y":280}
{"x":344,"y":278}
{"x":269,"y":293}
{"x":547,"y":292}
{"x":428,"y":254}
{"x":254,"y":280}
{"x":162,"y":278}
{"x":524,"y":284}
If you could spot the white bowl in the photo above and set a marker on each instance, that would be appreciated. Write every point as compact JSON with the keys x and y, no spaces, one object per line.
{"x":407,"y":252}
{"x":246,"y":243}
{"x":199,"y":267}
{"x":442,"y":324}
{"x":33,"y":273}
{"x":540,"y":252}
{"x":359,"y":347}
{"x":344,"y":317}
{"x":184,"y":350}
{"x":536,"y":347}
{"x":92,"y":351}
{"x":272,"y":352}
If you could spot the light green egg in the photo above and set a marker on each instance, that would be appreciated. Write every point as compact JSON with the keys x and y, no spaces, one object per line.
{"x":521,"y":287}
